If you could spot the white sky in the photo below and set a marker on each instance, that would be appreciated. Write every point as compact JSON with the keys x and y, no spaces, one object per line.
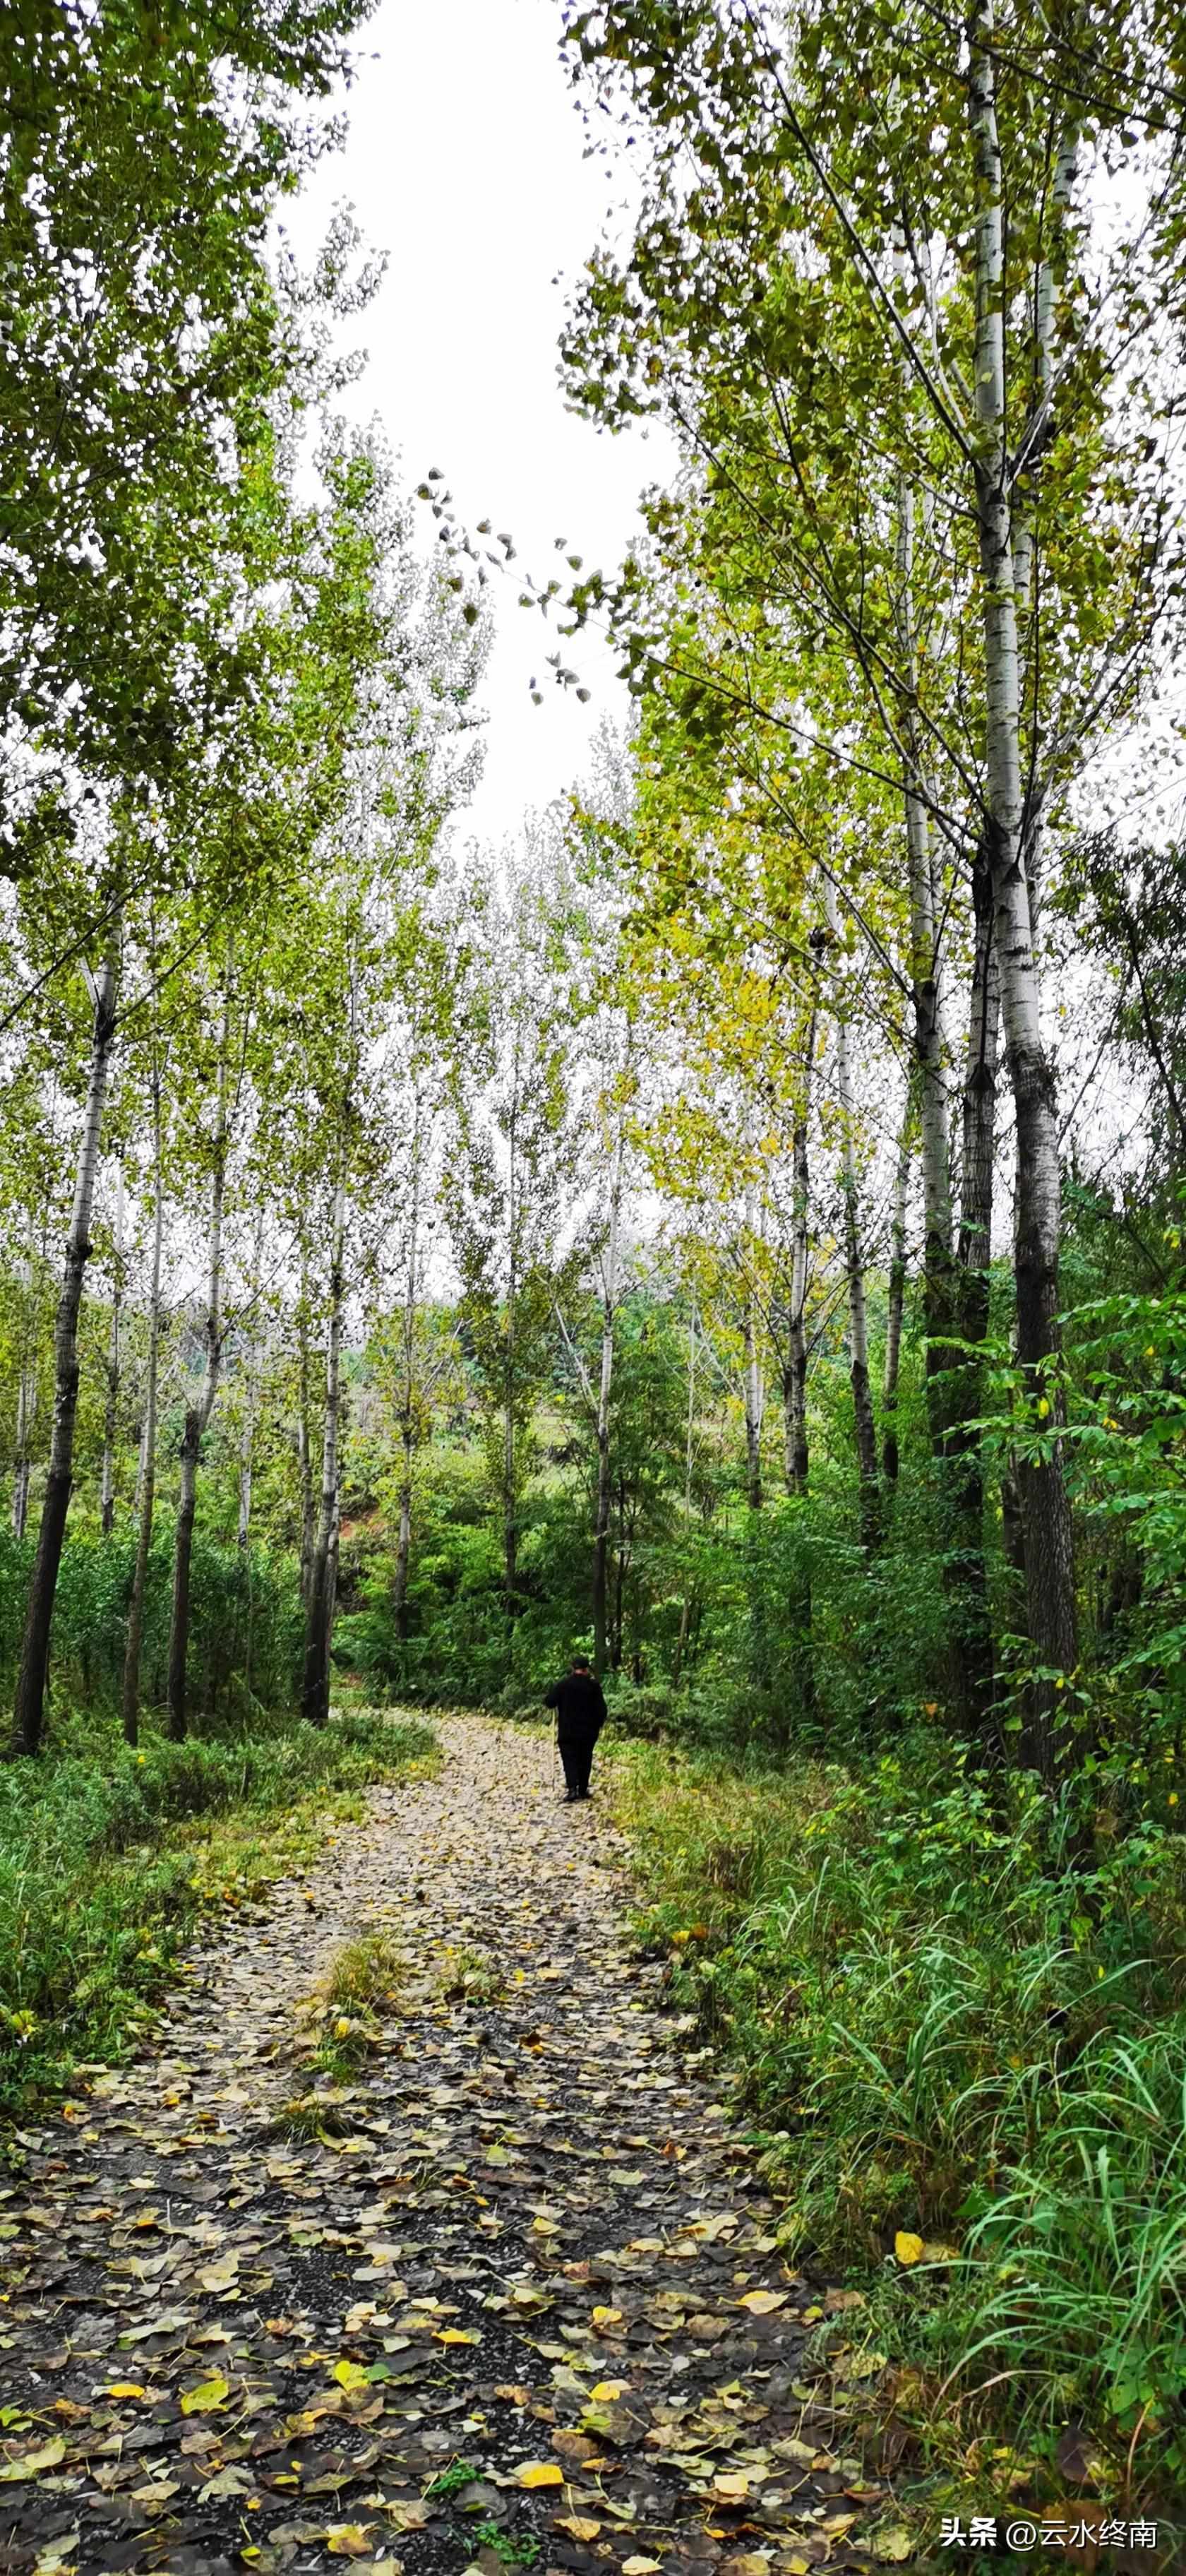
{"x":465,"y":163}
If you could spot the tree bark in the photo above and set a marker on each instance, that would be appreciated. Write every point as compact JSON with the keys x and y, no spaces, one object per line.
{"x":752,"y":1372}
{"x":965,"y":1572}
{"x":147,"y":1492}
{"x":250,"y":1403}
{"x":34,"y":1663}
{"x":926,"y":1002}
{"x":111,"y":1408}
{"x":323,"y":1572}
{"x":403,"y":1552}
{"x":604,"y":1483}
{"x":864,"y":1427}
{"x":304,"y":1444}
{"x":795,"y":1370}
{"x":198,"y":1415}
{"x":1045,"y":1502}
{"x":685,"y":1615}
{"x":897,"y":1299}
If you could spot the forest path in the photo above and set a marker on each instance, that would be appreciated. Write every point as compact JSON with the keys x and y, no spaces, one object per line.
{"x":536,"y":2248}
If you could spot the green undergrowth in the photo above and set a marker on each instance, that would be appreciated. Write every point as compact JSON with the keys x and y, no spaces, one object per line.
{"x":940,"y":2034}
{"x":109,"y":1857}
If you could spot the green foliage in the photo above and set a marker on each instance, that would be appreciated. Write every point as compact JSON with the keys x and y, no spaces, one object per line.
{"x":245,"y":1636}
{"x":108,"y":1857}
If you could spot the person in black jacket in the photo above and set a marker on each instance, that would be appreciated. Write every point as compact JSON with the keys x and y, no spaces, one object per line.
{"x":580,"y":1716}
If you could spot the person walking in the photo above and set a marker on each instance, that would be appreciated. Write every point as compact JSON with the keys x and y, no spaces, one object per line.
{"x":580,"y":1708}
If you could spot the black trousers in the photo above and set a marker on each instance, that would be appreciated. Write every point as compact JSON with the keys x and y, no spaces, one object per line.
{"x":576,"y":1753}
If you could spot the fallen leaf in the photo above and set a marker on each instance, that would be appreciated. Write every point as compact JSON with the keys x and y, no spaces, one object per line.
{"x":220,"y":2275}
{"x":608,"y":2388}
{"x":124,"y":2388}
{"x":208,"y":2394}
{"x":31,"y":2463}
{"x":639,"y":2566}
{"x":579,"y":2526}
{"x":893,"y":2543}
{"x":732,"y":2489}
{"x":349,"y":2374}
{"x":540,"y":2473}
{"x":908,"y":2248}
{"x":762,"y":2303}
{"x":349,"y":2539}
{"x":454,"y":2334}
{"x":57,"y":2555}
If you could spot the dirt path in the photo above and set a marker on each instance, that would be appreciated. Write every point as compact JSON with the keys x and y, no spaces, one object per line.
{"x":535,"y":2260}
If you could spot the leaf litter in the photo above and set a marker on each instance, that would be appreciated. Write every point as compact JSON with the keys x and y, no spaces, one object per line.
{"x":508,"y":2298}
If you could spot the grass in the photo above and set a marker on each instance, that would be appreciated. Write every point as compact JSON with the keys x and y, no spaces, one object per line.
{"x":108,"y":1860}
{"x":471,"y":1976}
{"x":940,"y":2034}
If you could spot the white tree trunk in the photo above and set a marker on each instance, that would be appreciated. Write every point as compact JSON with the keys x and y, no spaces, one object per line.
{"x":147,"y":1481}
{"x":34,"y":1663}
{"x":1045,"y":1505}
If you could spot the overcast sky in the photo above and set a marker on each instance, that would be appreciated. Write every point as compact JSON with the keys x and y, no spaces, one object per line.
{"x":465,"y":163}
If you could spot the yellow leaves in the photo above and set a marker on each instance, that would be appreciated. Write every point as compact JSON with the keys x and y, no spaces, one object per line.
{"x":349,"y":2374}
{"x":762,"y":2303}
{"x":605,"y":2318}
{"x":892,"y":2544}
{"x":579,"y":2526}
{"x":125,"y":2388}
{"x":917,"y":2249}
{"x":454,"y":2334}
{"x":207,"y":2396}
{"x":58,"y":2557}
{"x":31,"y":2463}
{"x":221,"y":2275}
{"x":349,"y":2539}
{"x":607,"y":2389}
{"x":639,"y":2566}
{"x":342,"y":2030}
{"x":539,"y":2473}
{"x":732,"y":2487}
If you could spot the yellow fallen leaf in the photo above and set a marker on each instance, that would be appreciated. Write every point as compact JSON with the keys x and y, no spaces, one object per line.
{"x":349,"y":2374}
{"x":208,"y":2394}
{"x":937,"y":2252}
{"x":639,"y":2566}
{"x":31,"y":2463}
{"x":908,"y":2248}
{"x":892,"y":2543}
{"x":732,"y":2489}
{"x":220,"y":2275}
{"x":124,"y":2388}
{"x":349,"y":2539}
{"x":762,"y":2303}
{"x":57,"y":2556}
{"x":540,"y":2473}
{"x":579,"y":2526}
{"x":607,"y":2389}
{"x":603,"y":2317}
{"x":453,"y":2334}
{"x":748,"y":2562}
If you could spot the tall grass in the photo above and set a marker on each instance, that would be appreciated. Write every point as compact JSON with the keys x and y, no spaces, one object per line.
{"x":940,"y":2030}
